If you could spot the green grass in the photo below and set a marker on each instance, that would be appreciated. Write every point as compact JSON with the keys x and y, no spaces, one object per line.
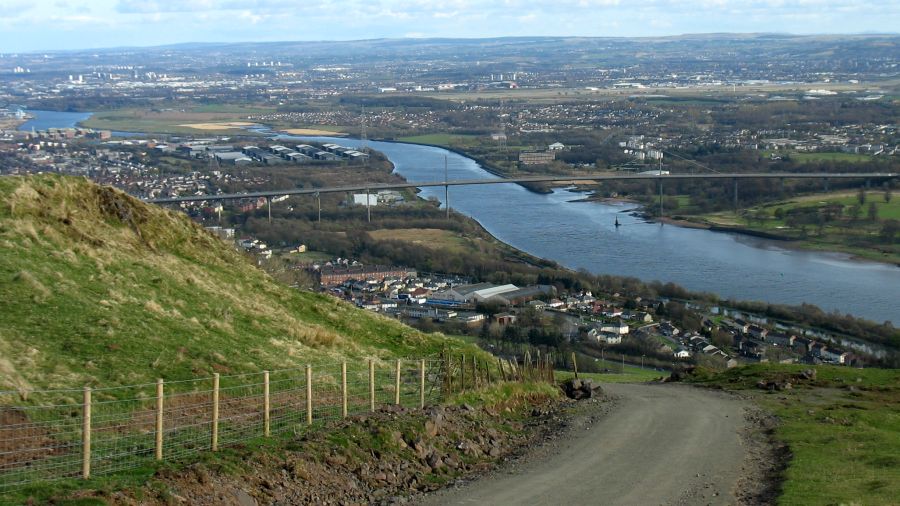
{"x":630,"y":375}
{"x":140,"y":120}
{"x":441,"y":139}
{"x":505,"y":393}
{"x":858,"y":237}
{"x":102,"y":290}
{"x":830,"y":157}
{"x":843,"y":430}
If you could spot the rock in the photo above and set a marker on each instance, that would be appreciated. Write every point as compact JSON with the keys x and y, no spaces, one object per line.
{"x":494,"y":452}
{"x":244,"y":499}
{"x":808,"y":374}
{"x":336,"y":460}
{"x":431,"y":429}
{"x":579,"y":389}
{"x":434,"y":461}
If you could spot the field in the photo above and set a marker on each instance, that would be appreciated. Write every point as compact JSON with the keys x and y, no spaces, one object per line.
{"x":431,"y":238}
{"x":842,"y":430}
{"x":222,"y":119}
{"x":857,"y":236}
{"x":217,"y":126}
{"x":821,"y":157}
{"x":441,"y":139}
{"x":318,"y":130}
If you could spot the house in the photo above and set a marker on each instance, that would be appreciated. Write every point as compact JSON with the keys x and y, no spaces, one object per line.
{"x":604,"y":337}
{"x":781,"y":339}
{"x":618,"y":328}
{"x":834,"y":356}
{"x":667,"y":329}
{"x":642,"y":317}
{"x":757,"y":332}
{"x":557,"y":146}
{"x":505,"y":318}
{"x":682,"y":353}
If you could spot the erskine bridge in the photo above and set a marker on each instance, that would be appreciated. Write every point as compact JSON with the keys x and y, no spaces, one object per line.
{"x":660,"y":178}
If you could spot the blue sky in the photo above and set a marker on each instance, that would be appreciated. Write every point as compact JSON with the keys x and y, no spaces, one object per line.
{"x":34,"y":25}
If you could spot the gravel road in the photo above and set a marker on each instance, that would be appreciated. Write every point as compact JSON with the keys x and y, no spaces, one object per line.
{"x":661,"y":444}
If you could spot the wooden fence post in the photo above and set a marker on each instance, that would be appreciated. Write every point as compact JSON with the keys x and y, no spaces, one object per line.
{"x":422,"y":384}
{"x":159,"y":419}
{"x":344,"y":389}
{"x":397,"y":384}
{"x":86,"y":435}
{"x":575,"y":364}
{"x":371,"y":385}
{"x":266,"y":405}
{"x":474,"y":372}
{"x":215,"y":413}
{"x":462,"y":372}
{"x":449,"y":374}
{"x":309,"y":402}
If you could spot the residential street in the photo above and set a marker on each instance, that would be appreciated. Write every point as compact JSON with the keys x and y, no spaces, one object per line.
{"x":661,"y":444}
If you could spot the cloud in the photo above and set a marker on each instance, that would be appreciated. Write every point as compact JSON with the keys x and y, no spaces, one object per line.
{"x":11,"y":9}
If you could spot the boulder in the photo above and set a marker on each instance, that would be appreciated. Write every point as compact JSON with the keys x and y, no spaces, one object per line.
{"x":580,"y":389}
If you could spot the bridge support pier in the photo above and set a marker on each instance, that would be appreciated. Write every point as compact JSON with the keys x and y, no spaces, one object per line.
{"x":368,"y":207}
{"x":319,"y":207}
{"x":660,"y":199}
{"x":735,"y":197}
{"x":826,"y":184}
{"x":446,"y":188}
{"x":269,"y":205}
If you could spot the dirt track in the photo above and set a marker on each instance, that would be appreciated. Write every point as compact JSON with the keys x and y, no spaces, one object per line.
{"x":661,"y":444}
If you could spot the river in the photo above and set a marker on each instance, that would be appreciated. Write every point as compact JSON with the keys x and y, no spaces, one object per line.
{"x":43,"y":120}
{"x":582,"y":235}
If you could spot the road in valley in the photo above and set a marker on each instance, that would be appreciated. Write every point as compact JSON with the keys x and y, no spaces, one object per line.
{"x":661,"y":444}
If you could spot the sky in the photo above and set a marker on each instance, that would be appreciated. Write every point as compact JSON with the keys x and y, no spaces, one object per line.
{"x":39,"y":25}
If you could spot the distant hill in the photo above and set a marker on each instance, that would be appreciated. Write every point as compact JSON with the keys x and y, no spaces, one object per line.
{"x":99,"y":288}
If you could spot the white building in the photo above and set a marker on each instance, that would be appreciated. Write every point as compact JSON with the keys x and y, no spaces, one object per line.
{"x":360,"y":199}
{"x":475,"y":293}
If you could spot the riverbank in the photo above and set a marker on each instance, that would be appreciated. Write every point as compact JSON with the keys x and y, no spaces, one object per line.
{"x":854,"y":253}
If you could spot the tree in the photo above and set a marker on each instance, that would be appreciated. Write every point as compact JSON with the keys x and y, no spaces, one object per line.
{"x":889,"y":230}
{"x":872,"y":212}
{"x":887,"y":194}
{"x":861,"y":196}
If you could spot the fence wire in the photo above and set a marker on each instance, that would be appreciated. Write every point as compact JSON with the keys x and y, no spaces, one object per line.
{"x":45,"y":439}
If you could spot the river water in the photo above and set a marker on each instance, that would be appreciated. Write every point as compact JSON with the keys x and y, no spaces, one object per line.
{"x":43,"y":120}
{"x":582,"y":235}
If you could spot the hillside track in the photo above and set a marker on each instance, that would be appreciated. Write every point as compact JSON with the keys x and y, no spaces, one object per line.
{"x":660,"y":444}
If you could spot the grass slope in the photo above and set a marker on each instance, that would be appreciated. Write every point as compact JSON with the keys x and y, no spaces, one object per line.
{"x":843,"y":430}
{"x":98,"y":288}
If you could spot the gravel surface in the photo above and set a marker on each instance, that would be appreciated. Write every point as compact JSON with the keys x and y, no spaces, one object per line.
{"x":654,"y":444}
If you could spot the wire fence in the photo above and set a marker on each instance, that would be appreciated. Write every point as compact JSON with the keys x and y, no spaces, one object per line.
{"x":64,"y":434}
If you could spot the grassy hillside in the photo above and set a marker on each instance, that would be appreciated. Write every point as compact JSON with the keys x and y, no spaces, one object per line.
{"x":99,"y":288}
{"x":842,"y":428}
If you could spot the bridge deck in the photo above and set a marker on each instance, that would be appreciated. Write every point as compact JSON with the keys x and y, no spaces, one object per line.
{"x":517,"y":180}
